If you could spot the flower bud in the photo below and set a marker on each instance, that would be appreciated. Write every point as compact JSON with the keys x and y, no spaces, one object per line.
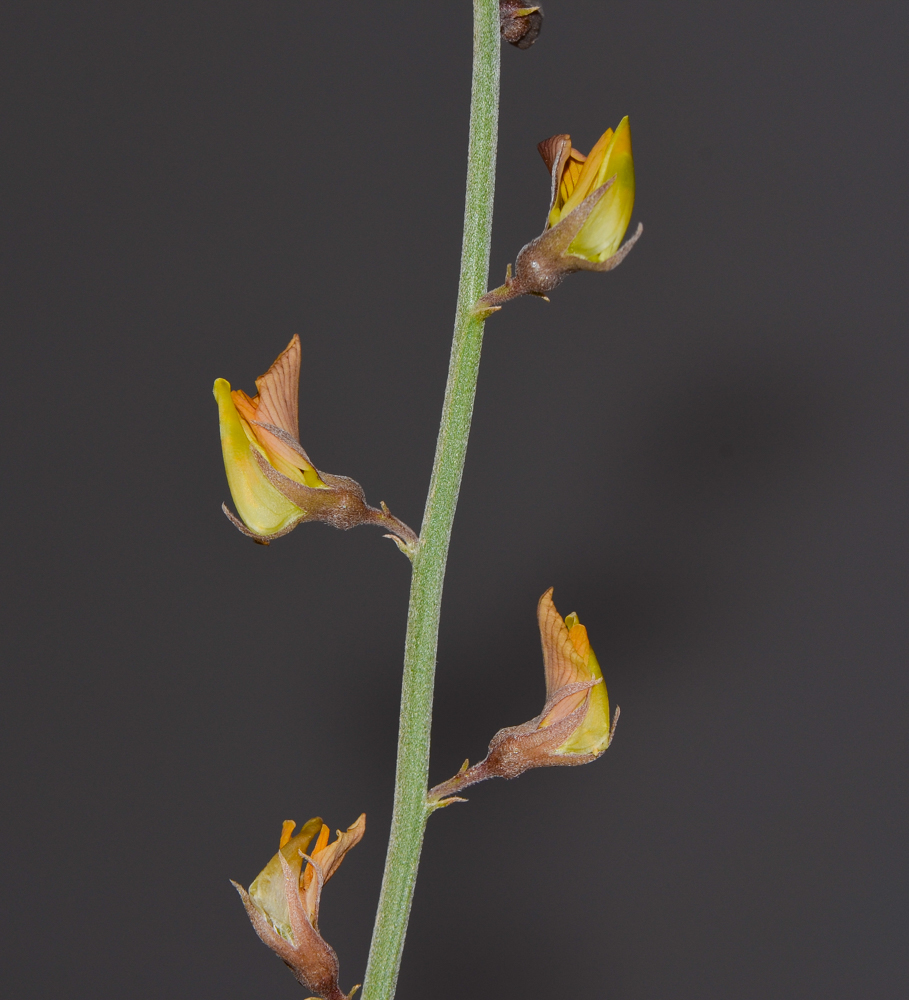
{"x":520,"y":25}
{"x":272,"y":480}
{"x":283,"y":902}
{"x":574,"y":726}
{"x":590,"y":207}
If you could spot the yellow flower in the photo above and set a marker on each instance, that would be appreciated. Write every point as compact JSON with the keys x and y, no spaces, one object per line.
{"x":574,"y":726}
{"x":283,"y":902}
{"x":272,"y":480}
{"x":575,"y":177}
{"x":591,"y":200}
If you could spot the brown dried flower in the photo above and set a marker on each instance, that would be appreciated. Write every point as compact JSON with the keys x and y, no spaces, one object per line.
{"x":520,"y":25}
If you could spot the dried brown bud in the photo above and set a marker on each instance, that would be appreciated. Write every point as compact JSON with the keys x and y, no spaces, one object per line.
{"x":520,"y":25}
{"x":574,"y":726}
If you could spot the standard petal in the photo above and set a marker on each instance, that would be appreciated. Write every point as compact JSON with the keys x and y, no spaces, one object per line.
{"x":552,"y":150}
{"x":566,"y":165}
{"x":569,"y":662}
{"x":279,"y":390}
{"x":562,"y":664}
{"x":330,"y":857}
{"x":555,"y":152}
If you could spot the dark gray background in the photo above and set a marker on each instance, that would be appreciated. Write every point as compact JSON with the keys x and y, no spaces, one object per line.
{"x":705,"y":452}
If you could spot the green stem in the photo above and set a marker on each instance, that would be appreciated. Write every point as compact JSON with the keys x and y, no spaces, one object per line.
{"x":410,"y":806}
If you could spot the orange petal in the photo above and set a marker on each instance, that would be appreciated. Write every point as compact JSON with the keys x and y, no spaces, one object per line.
{"x":308,"y":873}
{"x":578,"y":635}
{"x":568,"y":182}
{"x":247,"y":407}
{"x":287,"y":830}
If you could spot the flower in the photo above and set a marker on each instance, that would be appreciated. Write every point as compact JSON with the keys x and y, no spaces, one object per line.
{"x":575,"y":176}
{"x":574,"y":726}
{"x":272,"y":480}
{"x":283,"y":902}
{"x":590,"y":207}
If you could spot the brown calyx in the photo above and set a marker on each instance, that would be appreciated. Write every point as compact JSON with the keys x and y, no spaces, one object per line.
{"x":521,"y":30}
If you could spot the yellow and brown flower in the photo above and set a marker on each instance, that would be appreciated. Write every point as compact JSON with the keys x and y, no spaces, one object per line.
{"x":574,"y":726}
{"x":591,"y":201}
{"x":272,"y":480}
{"x":283,"y":902}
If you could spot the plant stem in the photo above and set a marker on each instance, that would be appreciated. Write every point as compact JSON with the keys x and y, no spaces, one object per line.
{"x":410,"y":806}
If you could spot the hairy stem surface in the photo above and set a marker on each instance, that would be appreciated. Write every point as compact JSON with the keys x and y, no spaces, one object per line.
{"x":410,"y":807}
